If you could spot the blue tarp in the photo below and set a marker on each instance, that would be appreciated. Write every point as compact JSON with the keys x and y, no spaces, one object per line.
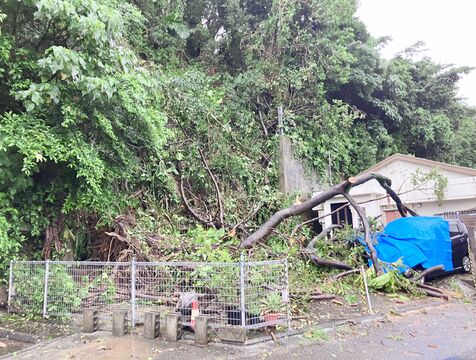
{"x":418,"y":240}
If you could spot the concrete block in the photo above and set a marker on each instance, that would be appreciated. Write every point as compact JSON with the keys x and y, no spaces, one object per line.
{"x":232,"y":334}
{"x":151,"y":325}
{"x":119,"y":322}
{"x":201,"y":330}
{"x":173,"y":332}
{"x":90,"y":320}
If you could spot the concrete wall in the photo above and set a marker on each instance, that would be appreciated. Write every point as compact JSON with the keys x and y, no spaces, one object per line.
{"x":294,"y":177}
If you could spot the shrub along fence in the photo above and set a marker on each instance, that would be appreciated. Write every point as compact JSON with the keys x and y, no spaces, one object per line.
{"x":245,"y":294}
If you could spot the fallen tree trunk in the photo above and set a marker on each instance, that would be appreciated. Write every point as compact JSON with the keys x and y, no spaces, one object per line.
{"x":266,"y":229}
{"x":298,"y":209}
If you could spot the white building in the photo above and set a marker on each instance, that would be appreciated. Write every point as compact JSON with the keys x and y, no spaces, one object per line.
{"x":459,"y":194}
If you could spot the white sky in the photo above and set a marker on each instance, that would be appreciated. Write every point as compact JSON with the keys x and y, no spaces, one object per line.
{"x":448,"y":29}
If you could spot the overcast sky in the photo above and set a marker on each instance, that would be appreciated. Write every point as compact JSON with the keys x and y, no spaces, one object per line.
{"x":447,"y":27}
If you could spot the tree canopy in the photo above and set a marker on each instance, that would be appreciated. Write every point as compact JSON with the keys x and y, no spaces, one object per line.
{"x":156,"y":120}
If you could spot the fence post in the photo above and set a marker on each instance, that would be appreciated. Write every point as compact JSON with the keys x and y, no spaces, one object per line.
{"x":364,"y":277}
{"x":287,"y":297}
{"x":45,"y":294}
{"x":10,"y":287}
{"x":242,"y":290}
{"x":133,"y":291}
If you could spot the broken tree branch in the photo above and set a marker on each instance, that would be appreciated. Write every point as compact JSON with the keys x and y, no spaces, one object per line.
{"x":187,"y":204}
{"x":428,"y":271}
{"x":322,"y":297}
{"x":432,"y":291}
{"x":298,"y":209}
{"x":345,"y":273}
{"x":251,"y":214}
{"x":368,"y":240}
{"x":265,"y":130}
{"x":322,"y":234}
{"x":215,"y":184}
{"x":327,"y":262}
{"x":402,"y":209}
{"x":311,"y":253}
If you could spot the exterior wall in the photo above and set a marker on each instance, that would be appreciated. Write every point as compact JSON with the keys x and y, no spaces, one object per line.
{"x":294,"y":177}
{"x":460,"y":194}
{"x":371,"y":208}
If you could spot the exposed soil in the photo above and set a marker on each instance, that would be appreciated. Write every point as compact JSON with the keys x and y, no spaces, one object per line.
{"x":459,"y":286}
{"x":44,"y":329}
{"x":11,"y":346}
{"x":30,"y":329}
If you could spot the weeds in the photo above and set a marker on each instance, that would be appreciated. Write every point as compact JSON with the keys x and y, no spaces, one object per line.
{"x":317,"y":334}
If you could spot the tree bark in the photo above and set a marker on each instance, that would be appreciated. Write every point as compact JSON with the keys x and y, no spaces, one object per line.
{"x":402,"y":209}
{"x":265,"y":230}
{"x":432,"y":291}
{"x":345,"y":273}
{"x":328,"y":262}
{"x":322,"y":234}
{"x":368,"y":240}
{"x":428,"y":271}
{"x":221,"y":211}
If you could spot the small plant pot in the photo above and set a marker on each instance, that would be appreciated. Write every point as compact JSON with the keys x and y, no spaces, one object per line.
{"x":272,"y":317}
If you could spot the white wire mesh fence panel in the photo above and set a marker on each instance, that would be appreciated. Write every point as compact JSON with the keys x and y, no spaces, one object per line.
{"x":209,"y":289}
{"x":75,"y":286}
{"x":70,"y":287}
{"x":250,"y":294}
{"x":266,"y":294}
{"x":27,"y":287}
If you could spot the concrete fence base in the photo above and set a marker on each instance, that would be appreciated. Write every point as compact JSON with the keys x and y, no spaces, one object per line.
{"x":201,"y":330}
{"x":151,"y":325}
{"x":232,"y":334}
{"x":90,"y":320}
{"x":119,"y":323}
{"x":173,"y":331}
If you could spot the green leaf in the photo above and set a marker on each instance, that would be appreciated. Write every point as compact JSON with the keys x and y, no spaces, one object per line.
{"x":182,"y":30}
{"x":29,"y":105}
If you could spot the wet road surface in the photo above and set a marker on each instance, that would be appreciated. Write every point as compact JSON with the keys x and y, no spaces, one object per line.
{"x":441,"y":332}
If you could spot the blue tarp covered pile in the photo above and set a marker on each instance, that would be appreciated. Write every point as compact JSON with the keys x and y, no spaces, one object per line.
{"x":419,"y":240}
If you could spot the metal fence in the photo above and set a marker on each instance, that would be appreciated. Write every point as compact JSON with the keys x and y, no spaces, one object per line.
{"x":247,"y":294}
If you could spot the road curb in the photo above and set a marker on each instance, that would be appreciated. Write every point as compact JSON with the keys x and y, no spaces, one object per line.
{"x":335,"y":324}
{"x":18,"y":336}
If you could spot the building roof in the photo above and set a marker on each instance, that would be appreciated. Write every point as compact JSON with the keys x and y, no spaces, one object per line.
{"x":421,"y":161}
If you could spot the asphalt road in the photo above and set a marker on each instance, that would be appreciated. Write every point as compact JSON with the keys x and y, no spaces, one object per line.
{"x":444,"y":332}
{"x":440,"y":332}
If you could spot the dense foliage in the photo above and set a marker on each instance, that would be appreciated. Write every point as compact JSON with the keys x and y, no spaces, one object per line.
{"x":109,"y":108}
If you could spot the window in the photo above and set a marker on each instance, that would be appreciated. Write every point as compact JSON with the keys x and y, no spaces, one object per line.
{"x":343,"y":216}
